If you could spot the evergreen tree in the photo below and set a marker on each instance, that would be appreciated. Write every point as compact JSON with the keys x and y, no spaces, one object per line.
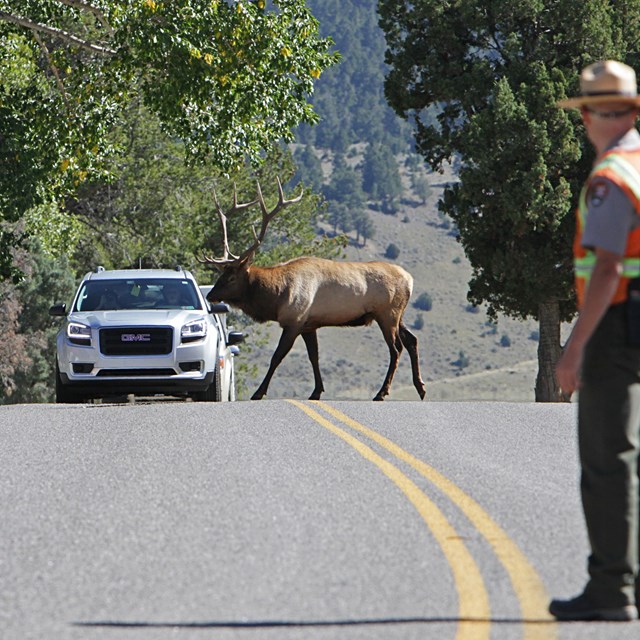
{"x":344,"y":185}
{"x":381,"y":176}
{"x":308,"y":167}
{"x":496,"y":76}
{"x":364,"y":226}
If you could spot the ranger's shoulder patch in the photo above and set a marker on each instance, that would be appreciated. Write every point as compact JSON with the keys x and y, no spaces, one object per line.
{"x":598,"y":192}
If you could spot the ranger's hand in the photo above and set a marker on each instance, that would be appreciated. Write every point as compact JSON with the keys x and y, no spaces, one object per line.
{"x":568,"y":369}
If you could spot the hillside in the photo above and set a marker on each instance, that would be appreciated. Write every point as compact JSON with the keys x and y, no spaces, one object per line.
{"x":354,"y":360}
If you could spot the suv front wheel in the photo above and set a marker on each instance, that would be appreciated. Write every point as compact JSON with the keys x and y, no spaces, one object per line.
{"x":213,"y":393}
{"x":64,"y":394}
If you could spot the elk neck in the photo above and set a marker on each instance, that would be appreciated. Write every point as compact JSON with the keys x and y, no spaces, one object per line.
{"x":261,"y":293}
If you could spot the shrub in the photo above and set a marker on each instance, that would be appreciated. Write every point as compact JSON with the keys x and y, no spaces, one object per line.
{"x":505,"y":341}
{"x":424,"y":302}
{"x":392,"y":251}
{"x":462,"y":362}
{"x":419,"y":322}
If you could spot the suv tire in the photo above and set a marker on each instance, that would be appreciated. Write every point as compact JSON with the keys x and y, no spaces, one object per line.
{"x":213,"y":393}
{"x":65,"y":395}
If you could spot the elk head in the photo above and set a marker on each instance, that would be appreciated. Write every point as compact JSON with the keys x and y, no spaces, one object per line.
{"x":232,"y":284}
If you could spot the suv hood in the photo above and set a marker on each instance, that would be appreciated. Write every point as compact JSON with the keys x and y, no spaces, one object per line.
{"x":145,"y":317}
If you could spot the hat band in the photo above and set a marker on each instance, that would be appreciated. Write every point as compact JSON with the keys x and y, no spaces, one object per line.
{"x":622,"y":94}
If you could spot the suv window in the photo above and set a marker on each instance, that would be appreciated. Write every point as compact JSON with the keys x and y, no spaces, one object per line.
{"x":137,"y":293}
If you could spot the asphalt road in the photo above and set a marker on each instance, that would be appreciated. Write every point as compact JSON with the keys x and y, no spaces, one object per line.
{"x":290,"y":520}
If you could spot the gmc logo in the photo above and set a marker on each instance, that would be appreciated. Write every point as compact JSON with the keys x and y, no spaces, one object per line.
{"x":135,"y":337}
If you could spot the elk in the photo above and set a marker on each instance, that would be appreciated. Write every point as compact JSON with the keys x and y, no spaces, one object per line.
{"x":307,"y":293}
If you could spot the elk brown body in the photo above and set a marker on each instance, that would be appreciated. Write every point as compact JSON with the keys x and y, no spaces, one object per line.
{"x":307,"y":293}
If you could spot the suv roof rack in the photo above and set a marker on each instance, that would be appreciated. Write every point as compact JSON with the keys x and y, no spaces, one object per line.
{"x":99,"y":269}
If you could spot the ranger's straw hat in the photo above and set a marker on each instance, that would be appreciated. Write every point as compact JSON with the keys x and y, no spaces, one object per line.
{"x":607,"y":81}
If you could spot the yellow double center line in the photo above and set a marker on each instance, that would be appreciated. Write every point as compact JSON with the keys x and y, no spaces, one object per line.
{"x":473,"y":602}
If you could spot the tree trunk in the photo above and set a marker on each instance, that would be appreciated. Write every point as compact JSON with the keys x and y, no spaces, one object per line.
{"x":549,"y":351}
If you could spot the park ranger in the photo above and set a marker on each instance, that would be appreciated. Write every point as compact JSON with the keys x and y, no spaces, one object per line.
{"x":602,"y":355}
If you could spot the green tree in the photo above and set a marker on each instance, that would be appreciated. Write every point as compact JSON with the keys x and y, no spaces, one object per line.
{"x":229,"y":78}
{"x":156,"y":211}
{"x":381,"y":176}
{"x":496,"y":71}
{"x":344,"y":185}
{"x":421,"y":187}
{"x":364,"y":226}
{"x":309,"y":167}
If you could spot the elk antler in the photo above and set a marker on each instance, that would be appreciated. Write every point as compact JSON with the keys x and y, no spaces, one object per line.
{"x":267,"y":216}
{"x":228,"y":257}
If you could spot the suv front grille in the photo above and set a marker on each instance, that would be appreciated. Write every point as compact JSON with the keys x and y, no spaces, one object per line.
{"x":136,"y":341}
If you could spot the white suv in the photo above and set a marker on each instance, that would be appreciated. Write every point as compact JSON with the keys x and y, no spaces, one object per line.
{"x":144,"y":332}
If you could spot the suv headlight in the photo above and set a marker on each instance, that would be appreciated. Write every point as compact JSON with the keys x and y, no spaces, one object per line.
{"x":195,"y":330}
{"x":79,"y":333}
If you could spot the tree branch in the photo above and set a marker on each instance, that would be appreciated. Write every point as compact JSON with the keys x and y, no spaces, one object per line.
{"x":84,"y":6}
{"x":55,"y":71}
{"x":58,"y":33}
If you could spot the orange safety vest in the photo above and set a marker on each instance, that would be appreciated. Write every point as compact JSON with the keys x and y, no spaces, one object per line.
{"x":622,"y":168}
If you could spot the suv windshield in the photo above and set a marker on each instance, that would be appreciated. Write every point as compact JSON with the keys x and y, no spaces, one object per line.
{"x":137,"y":293}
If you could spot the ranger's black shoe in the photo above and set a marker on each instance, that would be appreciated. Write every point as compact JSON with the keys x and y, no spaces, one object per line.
{"x":583,"y":608}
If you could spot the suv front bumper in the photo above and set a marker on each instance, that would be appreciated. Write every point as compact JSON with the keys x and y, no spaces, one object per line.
{"x":188,"y":368}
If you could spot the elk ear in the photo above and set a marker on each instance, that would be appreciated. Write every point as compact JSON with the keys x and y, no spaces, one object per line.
{"x":246,"y":262}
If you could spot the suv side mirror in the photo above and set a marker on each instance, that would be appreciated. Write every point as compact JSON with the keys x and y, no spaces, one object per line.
{"x":219,"y":307}
{"x":59,"y":309}
{"x":235,"y":337}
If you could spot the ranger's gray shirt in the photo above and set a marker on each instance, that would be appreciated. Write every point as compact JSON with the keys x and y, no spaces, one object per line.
{"x":611,"y":215}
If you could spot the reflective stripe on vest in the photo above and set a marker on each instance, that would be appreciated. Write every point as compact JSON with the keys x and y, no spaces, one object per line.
{"x":631,"y":177}
{"x":584,"y":266}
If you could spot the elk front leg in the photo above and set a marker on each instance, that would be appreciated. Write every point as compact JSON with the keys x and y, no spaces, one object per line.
{"x":287,"y":339}
{"x":311,"y":340}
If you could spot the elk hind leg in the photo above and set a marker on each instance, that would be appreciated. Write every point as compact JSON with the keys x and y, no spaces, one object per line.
{"x":311,"y":340}
{"x":395,"y":347}
{"x":287,"y":339}
{"x":411,"y":344}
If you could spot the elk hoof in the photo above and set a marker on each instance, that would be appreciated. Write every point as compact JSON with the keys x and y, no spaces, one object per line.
{"x":378,"y":398}
{"x":258,"y":395}
{"x":315,"y":395}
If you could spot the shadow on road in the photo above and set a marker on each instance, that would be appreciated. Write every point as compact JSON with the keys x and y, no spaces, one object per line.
{"x":257,"y":624}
